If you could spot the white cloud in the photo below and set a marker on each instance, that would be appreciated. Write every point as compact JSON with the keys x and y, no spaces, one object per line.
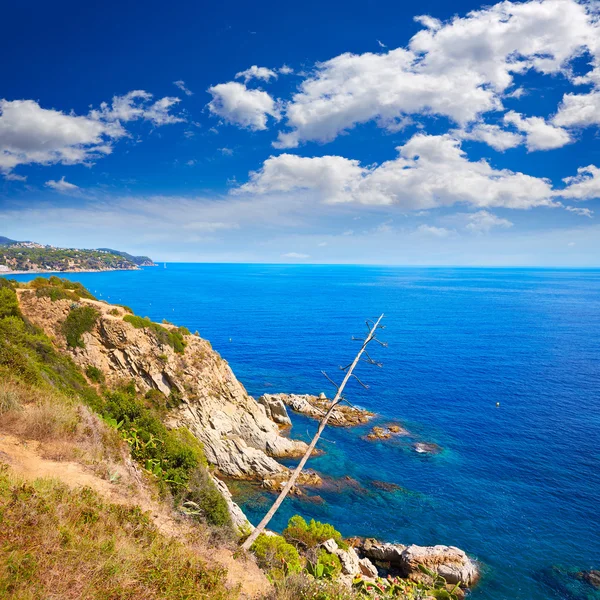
{"x":432,"y":230}
{"x":492,"y":135}
{"x":61,"y":185}
{"x":181,"y":85}
{"x":483,"y":221}
{"x":579,"y":110}
{"x":285,"y":70}
{"x":582,"y":212}
{"x":136,"y":105}
{"x":30,"y":134}
{"x":540,"y":134}
{"x":459,"y":69}
{"x":583,"y":186}
{"x":226,"y":151}
{"x":14,"y":177}
{"x":295,"y":255}
{"x":430,"y":171}
{"x":255,"y":72}
{"x":238,"y":105}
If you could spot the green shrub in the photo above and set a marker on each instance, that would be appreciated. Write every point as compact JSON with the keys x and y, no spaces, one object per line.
{"x":169,"y":337}
{"x":310,"y":535}
{"x":276,"y":556}
{"x":331,"y":562}
{"x":202,"y":499}
{"x":80,"y":320}
{"x":9,"y":305}
{"x":57,"y":288}
{"x":94,"y":374}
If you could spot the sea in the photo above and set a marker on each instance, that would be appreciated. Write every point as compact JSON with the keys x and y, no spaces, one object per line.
{"x":500,"y":368}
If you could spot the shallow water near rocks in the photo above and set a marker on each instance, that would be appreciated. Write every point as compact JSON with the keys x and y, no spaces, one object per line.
{"x":517,"y":486}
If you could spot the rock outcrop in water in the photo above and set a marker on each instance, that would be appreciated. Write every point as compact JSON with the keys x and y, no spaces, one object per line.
{"x":316,"y":406}
{"x":450,"y":562}
{"x":239,"y":439}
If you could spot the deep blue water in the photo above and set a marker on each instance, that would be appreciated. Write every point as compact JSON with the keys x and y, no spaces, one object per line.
{"x":516,"y":486}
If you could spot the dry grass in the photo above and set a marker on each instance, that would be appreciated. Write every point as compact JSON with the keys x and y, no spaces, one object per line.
{"x":59,"y":543}
{"x":66,"y":429}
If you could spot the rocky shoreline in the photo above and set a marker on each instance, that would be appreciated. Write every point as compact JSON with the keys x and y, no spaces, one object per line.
{"x":315,"y":407}
{"x":242,"y":437}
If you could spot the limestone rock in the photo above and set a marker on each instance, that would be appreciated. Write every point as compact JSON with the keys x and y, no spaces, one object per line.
{"x":316,"y":407}
{"x":239,"y":519}
{"x":239,"y":439}
{"x":382,"y":551}
{"x":367,"y":568}
{"x":448,"y":561}
{"x":275,"y":409}
{"x":348,"y":558}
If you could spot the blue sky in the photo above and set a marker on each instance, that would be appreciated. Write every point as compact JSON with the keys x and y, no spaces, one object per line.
{"x":331,"y":132}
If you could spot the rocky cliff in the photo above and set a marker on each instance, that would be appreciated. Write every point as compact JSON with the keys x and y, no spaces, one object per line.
{"x":239,"y":439}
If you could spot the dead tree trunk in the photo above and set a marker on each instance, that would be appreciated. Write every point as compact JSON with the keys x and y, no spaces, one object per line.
{"x":292,"y":480}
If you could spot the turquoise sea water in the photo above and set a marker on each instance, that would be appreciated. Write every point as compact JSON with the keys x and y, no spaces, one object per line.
{"x":517,"y":486}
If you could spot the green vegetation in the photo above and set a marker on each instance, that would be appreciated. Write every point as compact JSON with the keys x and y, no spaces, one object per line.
{"x":20,"y":256}
{"x":94,"y":374}
{"x":169,"y":337}
{"x":80,"y":320}
{"x":174,"y":459}
{"x":309,"y":535}
{"x":275,"y":556}
{"x":57,"y":288}
{"x":56,"y":542}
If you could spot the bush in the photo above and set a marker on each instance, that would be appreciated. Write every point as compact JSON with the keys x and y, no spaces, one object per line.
{"x":57,"y":288}
{"x":80,"y":320}
{"x":9,"y":305}
{"x":276,"y":556}
{"x":300,"y":586}
{"x":330,"y":560}
{"x":94,"y":374}
{"x":169,"y":337}
{"x":310,"y":535}
{"x":202,"y":499}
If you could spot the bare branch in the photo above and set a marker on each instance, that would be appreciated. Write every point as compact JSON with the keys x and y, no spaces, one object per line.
{"x":336,"y":400}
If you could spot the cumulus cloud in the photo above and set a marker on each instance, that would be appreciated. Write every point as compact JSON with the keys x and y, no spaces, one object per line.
{"x":62,"y":186}
{"x":238,"y":105}
{"x":460,"y":69}
{"x":540,"y":135}
{"x":430,"y":171}
{"x":30,"y":134}
{"x":483,"y":221}
{"x":181,"y":85}
{"x":583,"y":186}
{"x":492,"y":135}
{"x":255,"y":72}
{"x":579,"y":110}
{"x":285,"y":70}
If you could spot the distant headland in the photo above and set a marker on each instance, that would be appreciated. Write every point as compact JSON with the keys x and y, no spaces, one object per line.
{"x":33,"y":257}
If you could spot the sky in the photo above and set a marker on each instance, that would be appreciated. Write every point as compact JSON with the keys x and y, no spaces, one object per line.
{"x":448,"y":133}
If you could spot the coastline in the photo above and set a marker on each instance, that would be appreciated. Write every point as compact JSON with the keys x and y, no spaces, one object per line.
{"x":43,"y":271}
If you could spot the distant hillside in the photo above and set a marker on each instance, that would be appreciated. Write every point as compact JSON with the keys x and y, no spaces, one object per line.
{"x":33,"y":256}
{"x":4,"y":241}
{"x":142,"y":261}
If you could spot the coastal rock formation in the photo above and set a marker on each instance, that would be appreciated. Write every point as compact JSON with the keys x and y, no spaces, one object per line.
{"x":238,"y":518}
{"x":448,"y":561}
{"x":385,"y":433}
{"x":315,"y":407}
{"x":275,"y":410}
{"x":239,"y":439}
{"x":352,"y":565}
